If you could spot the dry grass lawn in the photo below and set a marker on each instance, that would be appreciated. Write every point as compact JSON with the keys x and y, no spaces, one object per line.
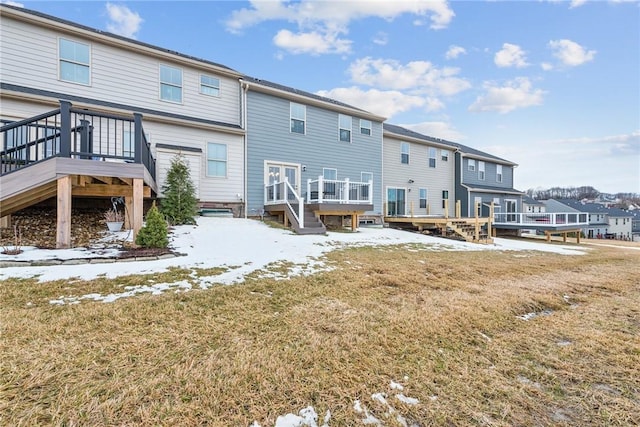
{"x":445,"y":325}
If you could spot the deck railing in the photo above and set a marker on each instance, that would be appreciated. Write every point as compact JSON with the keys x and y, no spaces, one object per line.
{"x":542,"y":219}
{"x":333,"y":191}
{"x":283,"y":193}
{"x":74,"y":133}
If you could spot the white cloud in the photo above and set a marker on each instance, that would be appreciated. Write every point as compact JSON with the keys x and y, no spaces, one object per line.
{"x":514,"y":94}
{"x":571,"y":53}
{"x":381,"y":38}
{"x":442,"y":130}
{"x":546,"y":66}
{"x":313,"y":42}
{"x":455,"y":51}
{"x":12,"y":3}
{"x":384,"y":103}
{"x":324,"y":22}
{"x":511,"y":55}
{"x":123,"y":21}
{"x":576,"y":3}
{"x":420,"y":76}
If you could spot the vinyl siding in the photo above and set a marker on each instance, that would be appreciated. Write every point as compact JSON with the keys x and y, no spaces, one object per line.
{"x":435,"y":180}
{"x":471,"y":178}
{"x":269,"y":138}
{"x":128,"y":77}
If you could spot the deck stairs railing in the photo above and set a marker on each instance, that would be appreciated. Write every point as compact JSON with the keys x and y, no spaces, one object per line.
{"x":283,"y":193}
{"x":74,"y":133}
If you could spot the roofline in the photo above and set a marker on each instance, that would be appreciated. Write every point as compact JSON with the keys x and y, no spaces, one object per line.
{"x":494,"y":190}
{"x":487,"y":159}
{"x":310,"y":100}
{"x":408,"y":138}
{"x":52,"y":22}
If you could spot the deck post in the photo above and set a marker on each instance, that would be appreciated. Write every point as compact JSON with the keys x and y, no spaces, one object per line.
{"x":63,"y":210}
{"x":65,"y":129}
{"x":477,"y":230}
{"x":354,"y":222}
{"x":5,"y":221}
{"x":138,"y":204}
{"x":137,"y":138}
{"x":428,"y":209}
{"x":320,"y":188}
{"x":491,"y":213}
{"x":446,"y":208}
{"x":411,"y":208}
{"x":458,"y":209}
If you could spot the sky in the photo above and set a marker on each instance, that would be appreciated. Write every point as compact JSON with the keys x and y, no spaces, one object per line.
{"x":553,"y":86}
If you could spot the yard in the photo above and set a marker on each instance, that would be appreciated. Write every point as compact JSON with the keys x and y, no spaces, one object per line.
{"x":395,"y":335}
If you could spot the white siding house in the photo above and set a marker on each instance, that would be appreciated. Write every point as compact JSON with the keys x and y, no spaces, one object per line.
{"x":188,"y":105}
{"x":418,"y":174}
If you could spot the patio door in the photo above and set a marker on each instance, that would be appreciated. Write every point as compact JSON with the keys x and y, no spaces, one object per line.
{"x":511,"y":208}
{"x":275,"y":173}
{"x":396,"y":201}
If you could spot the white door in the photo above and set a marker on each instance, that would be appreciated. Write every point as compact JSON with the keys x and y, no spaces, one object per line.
{"x":275,"y":173}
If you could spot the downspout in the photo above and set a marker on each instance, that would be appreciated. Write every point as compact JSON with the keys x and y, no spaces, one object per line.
{"x":245,"y":88}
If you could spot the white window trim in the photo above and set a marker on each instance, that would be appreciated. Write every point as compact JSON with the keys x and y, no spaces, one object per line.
{"x":349,"y":129}
{"x":498,"y":173}
{"x":471,"y":165}
{"x":160,"y":83}
{"x":362,"y":176}
{"x":207,"y":85}
{"x":434,"y":151}
{"x":481,"y":171}
{"x":408,"y":153}
{"x":330,"y":169}
{"x":444,"y":155}
{"x":366,"y":127}
{"x":304,"y":120}
{"x":426,"y":197}
{"x":72,"y":62}
{"x":226,"y":161}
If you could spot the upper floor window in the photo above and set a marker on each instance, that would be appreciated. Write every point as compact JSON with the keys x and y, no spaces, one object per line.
{"x":298,"y":114}
{"x":74,"y":61}
{"x":444,"y":155}
{"x":170,"y":83}
{"x":481,"y":171}
{"x":365,"y":127}
{"x":209,"y":85}
{"x":423,"y":198}
{"x":432,"y":157}
{"x":471,"y":165}
{"x":499,"y":173}
{"x":216,"y":160}
{"x":404,"y":152}
{"x":345,"y":128}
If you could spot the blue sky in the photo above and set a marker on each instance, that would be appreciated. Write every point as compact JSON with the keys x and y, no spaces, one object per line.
{"x":553,"y":86}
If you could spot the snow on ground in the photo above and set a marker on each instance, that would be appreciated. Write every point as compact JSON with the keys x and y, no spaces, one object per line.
{"x":245,"y":246}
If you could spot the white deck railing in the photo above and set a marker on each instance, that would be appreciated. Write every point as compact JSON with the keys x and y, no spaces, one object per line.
{"x":542,"y":219}
{"x":333,"y":191}
{"x":283,"y":192}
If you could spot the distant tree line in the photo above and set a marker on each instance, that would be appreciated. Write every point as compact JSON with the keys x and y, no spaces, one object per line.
{"x":585,"y":192}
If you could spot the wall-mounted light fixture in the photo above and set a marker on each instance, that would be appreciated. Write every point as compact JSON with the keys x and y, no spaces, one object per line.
{"x":304,"y":168}
{"x":411,"y":181}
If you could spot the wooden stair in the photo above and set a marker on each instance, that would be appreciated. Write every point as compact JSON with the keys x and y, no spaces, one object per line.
{"x":465,"y":230}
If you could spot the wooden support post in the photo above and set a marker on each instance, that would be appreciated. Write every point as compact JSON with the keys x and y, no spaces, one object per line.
{"x":5,"y":221}
{"x":63,"y":226}
{"x":477,"y":230}
{"x":489,"y":222}
{"x":137,"y":214}
{"x":128,"y":213}
{"x":578,"y":237}
{"x":446,"y":208}
{"x":354,"y":222}
{"x":428,"y":209}
{"x":564,"y":237}
{"x":458,"y":209}
{"x":411,"y":208}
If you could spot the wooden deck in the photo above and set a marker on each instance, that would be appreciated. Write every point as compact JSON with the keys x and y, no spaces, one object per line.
{"x":477,"y":230}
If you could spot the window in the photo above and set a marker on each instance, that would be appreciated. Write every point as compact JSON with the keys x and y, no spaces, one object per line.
{"x":481,"y":171}
{"x":444,"y":155}
{"x":365,"y":127}
{"x":471,"y":165}
{"x":170,"y":83}
{"x":216,"y":160}
{"x":74,"y":61}
{"x":445,"y":198}
{"x":345,"y":128}
{"x":330,"y":173}
{"x":432,"y":157}
{"x":499,"y":173}
{"x":298,"y":114}
{"x":366,"y":176}
{"x":209,"y":85}
{"x":423,"y":198}
{"x":404,"y":153}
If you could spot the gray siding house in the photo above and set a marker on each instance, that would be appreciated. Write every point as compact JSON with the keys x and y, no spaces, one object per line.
{"x":603,"y":222}
{"x":483,"y":178}
{"x":328,"y":152}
